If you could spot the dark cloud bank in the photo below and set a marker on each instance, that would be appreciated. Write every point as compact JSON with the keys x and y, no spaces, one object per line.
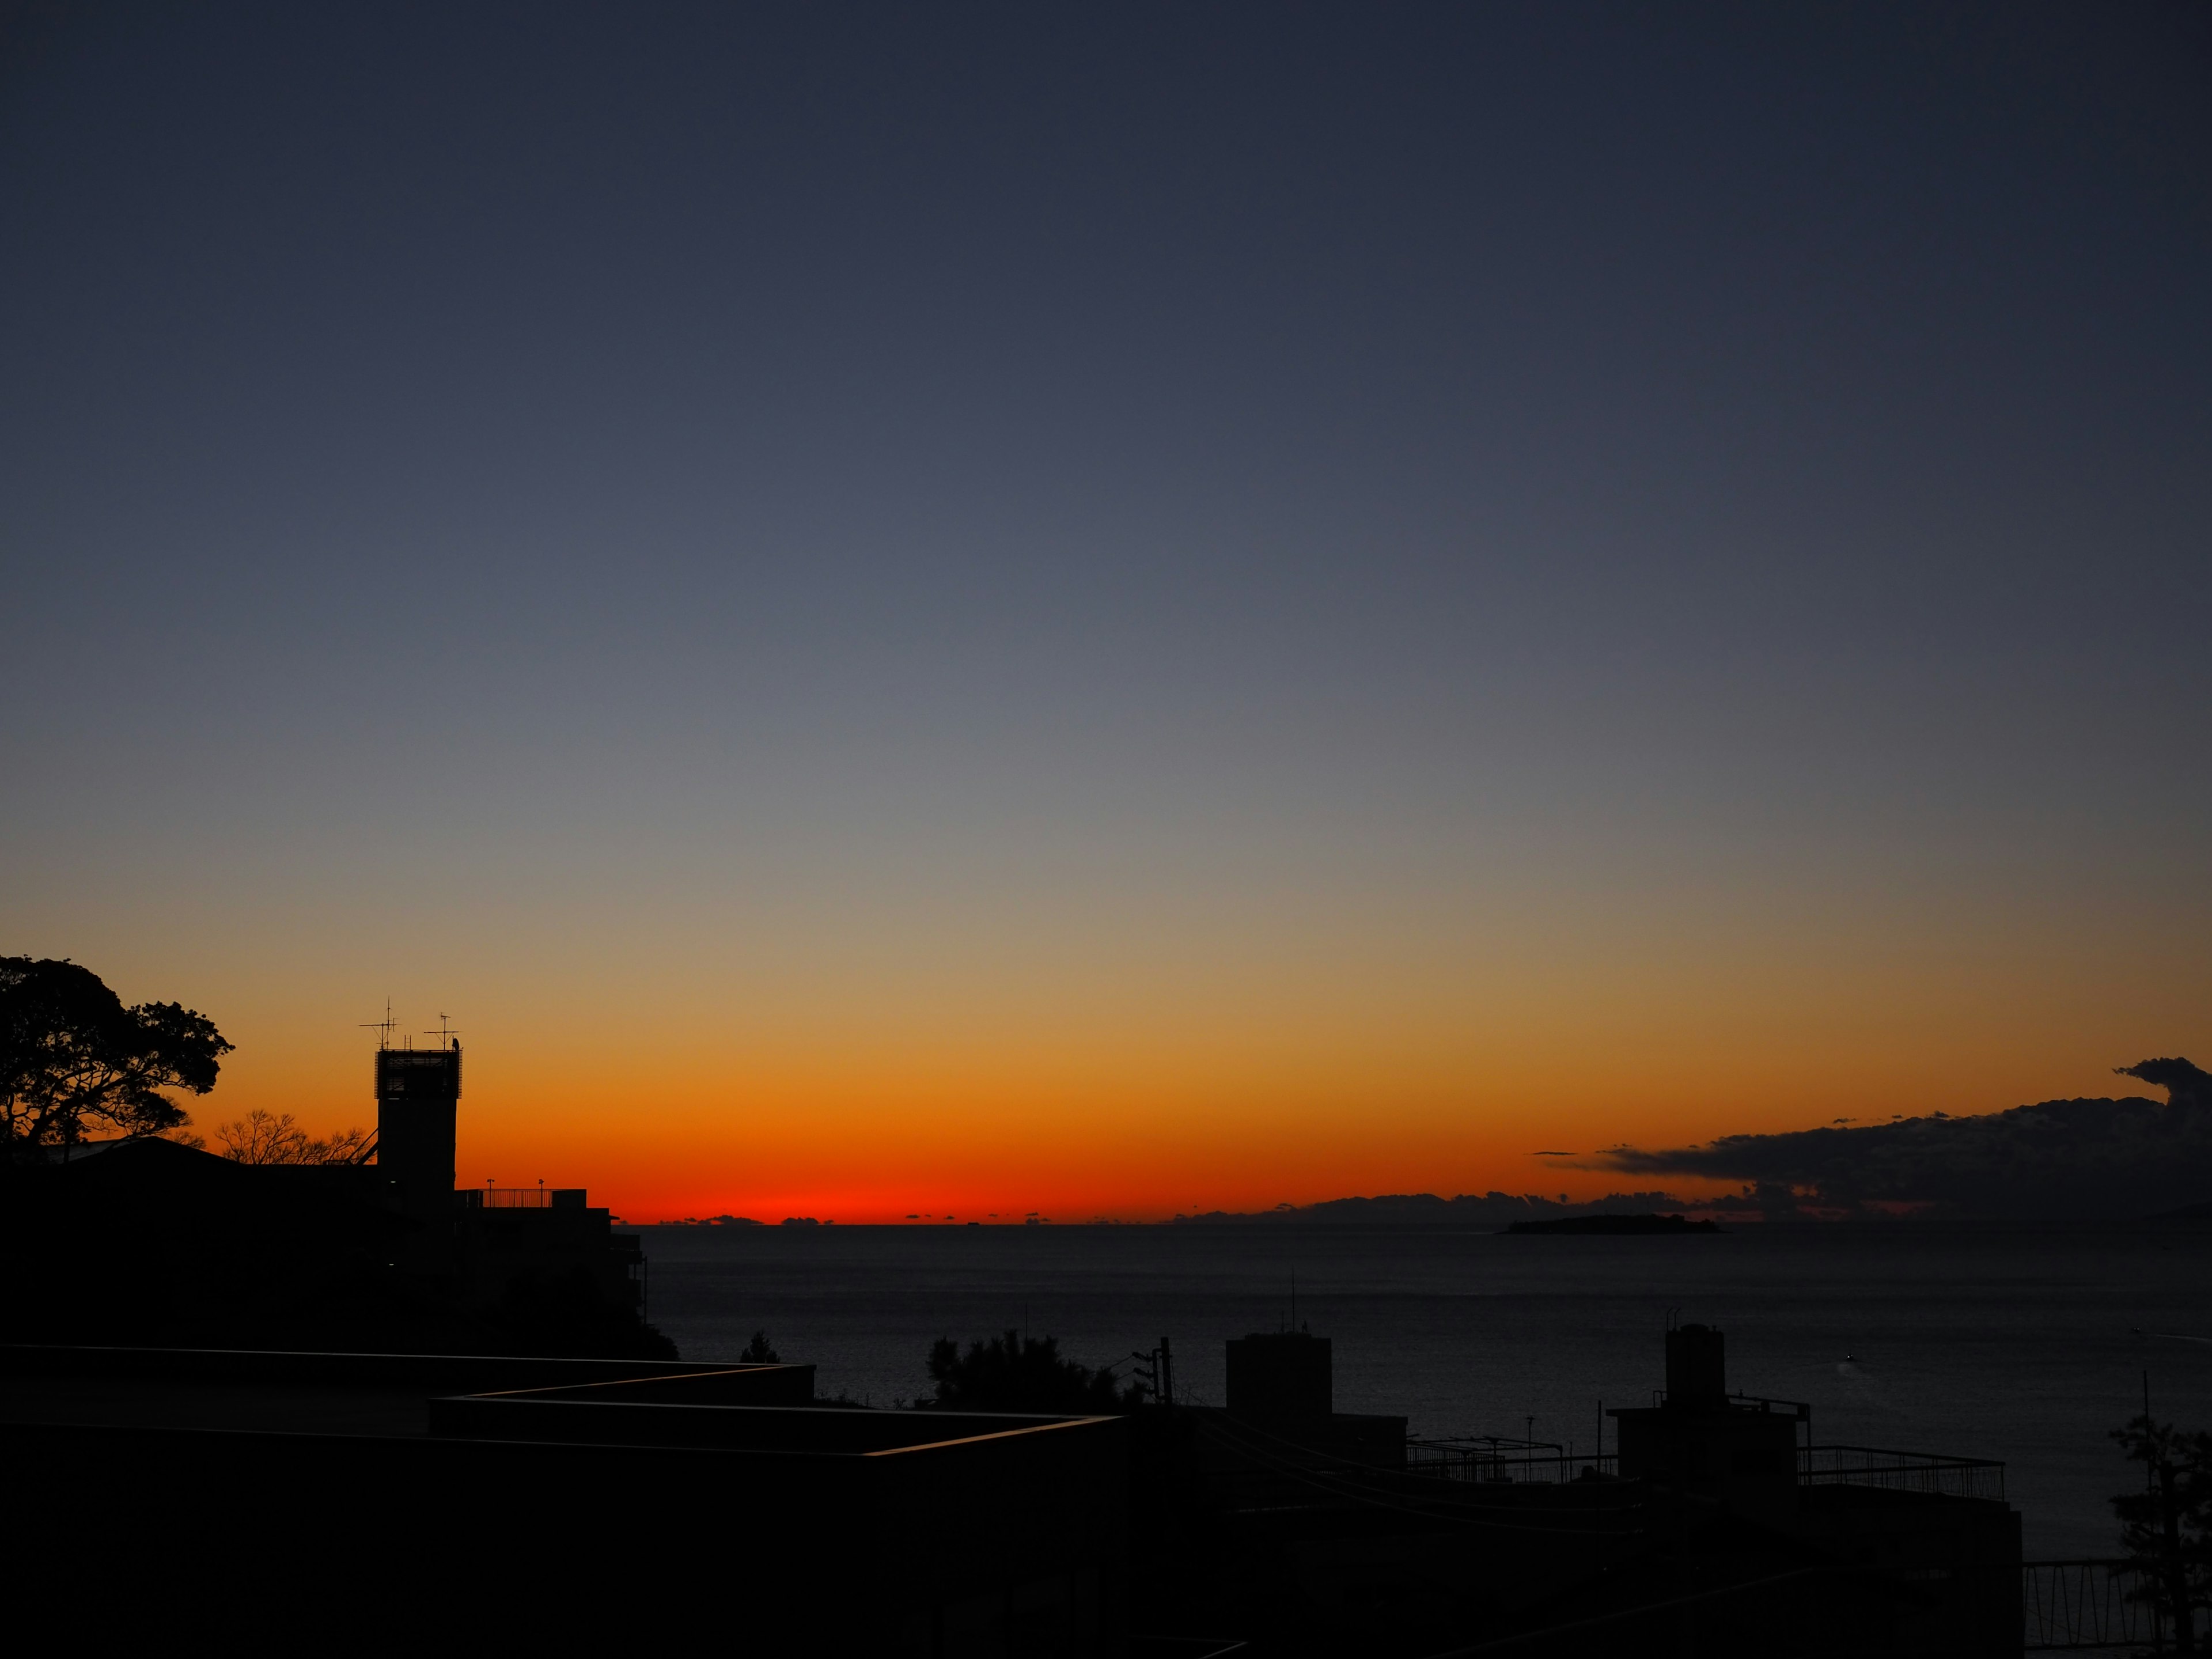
{"x":2095,"y":1158}
{"x":2130,"y":1157}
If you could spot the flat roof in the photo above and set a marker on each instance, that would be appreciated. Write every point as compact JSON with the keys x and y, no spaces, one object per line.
{"x":570,"y":1402}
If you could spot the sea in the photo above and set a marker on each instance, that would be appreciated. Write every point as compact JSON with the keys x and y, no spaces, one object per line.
{"x":2025,"y":1343}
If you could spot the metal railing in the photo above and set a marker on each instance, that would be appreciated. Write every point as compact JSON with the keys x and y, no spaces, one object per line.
{"x":1927,"y":1473}
{"x":1485,"y":1457}
{"x":1496,"y":1458}
{"x":2085,"y":1606}
{"x":524,"y":1198}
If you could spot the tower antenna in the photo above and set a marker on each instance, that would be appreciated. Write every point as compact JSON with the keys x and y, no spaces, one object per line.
{"x":383,"y":1027}
{"x":447,"y":1031}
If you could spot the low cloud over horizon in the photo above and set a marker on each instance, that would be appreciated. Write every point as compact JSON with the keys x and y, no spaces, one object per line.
{"x":2093,"y":1158}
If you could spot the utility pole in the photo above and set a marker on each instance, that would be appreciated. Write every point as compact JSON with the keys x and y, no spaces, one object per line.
{"x":1158,"y":1372}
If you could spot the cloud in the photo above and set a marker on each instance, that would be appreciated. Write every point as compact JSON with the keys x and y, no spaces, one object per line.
{"x":2106,"y":1158}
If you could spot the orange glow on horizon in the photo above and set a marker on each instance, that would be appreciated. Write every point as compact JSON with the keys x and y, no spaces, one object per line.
{"x":674,"y":1143}
{"x":1140,"y":1084}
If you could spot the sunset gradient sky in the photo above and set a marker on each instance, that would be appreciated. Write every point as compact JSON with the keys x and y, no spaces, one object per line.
{"x":1114,"y":610}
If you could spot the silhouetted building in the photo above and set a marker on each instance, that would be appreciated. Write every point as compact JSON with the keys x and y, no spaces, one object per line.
{"x":333,"y":1502}
{"x":1285,"y":1379}
{"x":147,"y":1241}
{"x":1740,"y":1453}
{"x":536,"y":1254}
{"x":1281,"y":1400}
{"x":1719,"y":1528}
{"x":418,"y":1093}
{"x":1938,"y":1525}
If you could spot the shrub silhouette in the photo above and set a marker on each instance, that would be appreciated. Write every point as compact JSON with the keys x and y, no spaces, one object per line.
{"x":1018,"y":1373}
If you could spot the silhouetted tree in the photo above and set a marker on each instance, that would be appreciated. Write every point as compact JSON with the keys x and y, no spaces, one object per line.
{"x":2166,"y":1529}
{"x":262,"y":1138}
{"x":72,"y":1057}
{"x":1017,"y":1373}
{"x":758,"y":1352}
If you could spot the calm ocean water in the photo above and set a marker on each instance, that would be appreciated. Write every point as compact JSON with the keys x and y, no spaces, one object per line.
{"x":2024,"y":1343}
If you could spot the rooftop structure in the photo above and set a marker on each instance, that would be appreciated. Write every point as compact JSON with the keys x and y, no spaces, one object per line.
{"x":382,"y":1498}
{"x":418,"y":1093}
{"x":1717,"y":1514}
{"x":149,"y":1241}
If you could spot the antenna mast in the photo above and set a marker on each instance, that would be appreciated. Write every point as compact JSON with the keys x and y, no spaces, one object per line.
{"x":383,"y":1027}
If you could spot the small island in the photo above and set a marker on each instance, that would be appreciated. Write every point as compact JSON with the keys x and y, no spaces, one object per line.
{"x":1613,"y":1226}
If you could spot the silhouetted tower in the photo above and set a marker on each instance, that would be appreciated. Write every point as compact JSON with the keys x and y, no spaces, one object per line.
{"x":1697,"y":1368}
{"x":1732,"y":1449}
{"x":417,"y":1094}
{"x":1282,"y":1378}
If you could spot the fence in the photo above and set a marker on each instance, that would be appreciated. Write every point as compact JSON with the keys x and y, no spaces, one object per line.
{"x":1495,"y":1458}
{"x":1927,"y":1473}
{"x":1491,"y":1458}
{"x":2085,"y":1606}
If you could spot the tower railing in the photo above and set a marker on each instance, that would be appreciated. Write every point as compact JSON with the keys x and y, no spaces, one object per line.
{"x":523,"y":1198}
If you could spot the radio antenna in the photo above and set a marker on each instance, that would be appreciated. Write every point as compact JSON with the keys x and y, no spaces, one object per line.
{"x":447,"y":1031}
{"x":383,"y":1027}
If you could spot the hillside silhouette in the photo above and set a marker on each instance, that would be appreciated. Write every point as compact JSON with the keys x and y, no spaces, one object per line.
{"x":1490,"y":1210}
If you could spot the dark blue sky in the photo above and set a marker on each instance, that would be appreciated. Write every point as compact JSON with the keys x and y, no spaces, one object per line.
{"x":1406,"y":485}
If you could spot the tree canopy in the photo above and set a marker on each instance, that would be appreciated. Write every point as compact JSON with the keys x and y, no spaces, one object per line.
{"x":74,"y":1059}
{"x":1018,"y":1373}
{"x":260,"y":1137}
{"x":2166,"y":1527}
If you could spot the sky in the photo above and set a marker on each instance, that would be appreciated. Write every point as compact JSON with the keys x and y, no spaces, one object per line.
{"x":1113,"y":610}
